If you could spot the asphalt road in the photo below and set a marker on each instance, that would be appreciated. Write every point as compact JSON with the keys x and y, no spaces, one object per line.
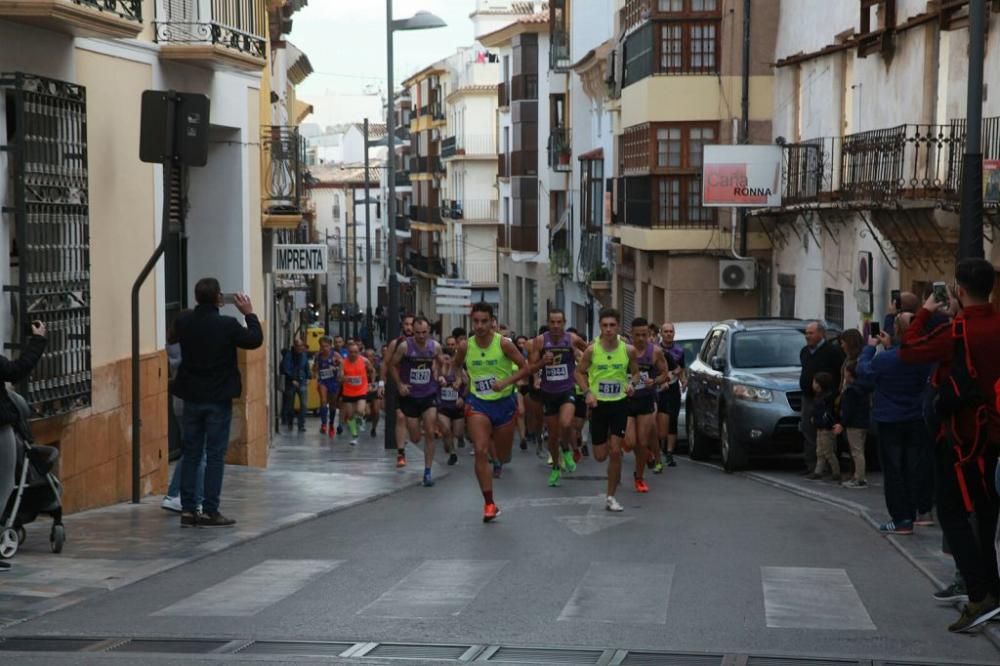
{"x":704,"y":562}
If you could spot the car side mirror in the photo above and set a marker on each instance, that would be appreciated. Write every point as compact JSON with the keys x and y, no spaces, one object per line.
{"x":718,"y":363}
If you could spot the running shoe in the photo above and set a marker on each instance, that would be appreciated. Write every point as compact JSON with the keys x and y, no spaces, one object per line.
{"x":670,"y":459}
{"x":640,"y":486}
{"x":352,"y":425}
{"x":400,"y":460}
{"x":428,"y":480}
{"x":568,"y":461}
{"x":354,"y":441}
{"x":975,"y":614}
{"x":903,"y":527}
{"x":577,"y":456}
{"x":855,"y":483}
{"x":373,"y":431}
{"x":340,"y":429}
{"x":322,"y":429}
{"x":497,"y":470}
{"x":658,"y":467}
{"x":452,"y":458}
{"x":549,"y":461}
{"x":490,"y":512}
{"x":524,"y":444}
{"x":554,"y":477}
{"x":332,"y":432}
{"x":613,"y":505}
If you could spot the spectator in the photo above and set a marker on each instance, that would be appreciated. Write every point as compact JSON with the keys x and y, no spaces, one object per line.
{"x":908,"y":302}
{"x":855,"y":417}
{"x":295,"y":371}
{"x":208,"y":380}
{"x":172,"y":500}
{"x":827,"y":425}
{"x":817,"y":356}
{"x":966,"y":451}
{"x":904,"y":447}
{"x":10,"y":417}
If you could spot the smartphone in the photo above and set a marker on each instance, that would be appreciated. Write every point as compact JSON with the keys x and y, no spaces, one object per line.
{"x":940,"y":292}
{"x":229,"y":299}
{"x":874,"y":330}
{"x":897,"y":300}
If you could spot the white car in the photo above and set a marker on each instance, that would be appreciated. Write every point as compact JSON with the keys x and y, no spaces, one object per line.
{"x":689,"y":335}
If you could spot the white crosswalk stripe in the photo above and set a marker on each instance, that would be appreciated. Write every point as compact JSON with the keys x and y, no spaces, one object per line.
{"x":435,"y":589}
{"x":614,"y":592}
{"x":251,"y":591}
{"x":806,"y":598}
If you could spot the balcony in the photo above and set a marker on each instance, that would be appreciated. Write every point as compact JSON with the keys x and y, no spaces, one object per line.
{"x":472,"y":211}
{"x":426,"y":165}
{"x":449,"y":147}
{"x":402,"y":178}
{"x":283,"y":191}
{"x":81,"y":18}
{"x":481,"y":273}
{"x":503,"y":95}
{"x":591,"y":255}
{"x":560,"y":262}
{"x":561,"y":149}
{"x":503,"y":166}
{"x":426,"y":215}
{"x":559,"y":51}
{"x":432,"y":266}
{"x":222,"y":34}
{"x":517,"y":238}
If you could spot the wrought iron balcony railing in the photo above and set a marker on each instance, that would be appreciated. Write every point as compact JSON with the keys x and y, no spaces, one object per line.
{"x":284,"y":168}
{"x":238,"y":25}
{"x":592,"y":253}
{"x":561,"y":149}
{"x":402,"y":178}
{"x":472,"y":210}
{"x":559,"y":51}
{"x":126,"y":9}
{"x":449,"y":147}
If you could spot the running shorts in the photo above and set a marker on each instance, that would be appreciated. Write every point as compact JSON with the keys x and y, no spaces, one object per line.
{"x":452,"y":413}
{"x":581,"y":406}
{"x":553,"y":402}
{"x":644,"y":403}
{"x":351,"y":399}
{"x":332,"y":387}
{"x":414,"y":408}
{"x":606,"y":420}
{"x":669,"y":403}
{"x":500,"y":412}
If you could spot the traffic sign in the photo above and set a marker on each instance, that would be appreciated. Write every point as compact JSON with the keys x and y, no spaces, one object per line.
{"x":445,"y":300}
{"x":453,"y":310}
{"x":447,"y":291}
{"x":454,"y":283}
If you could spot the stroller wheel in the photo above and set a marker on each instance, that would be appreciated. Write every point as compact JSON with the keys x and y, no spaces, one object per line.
{"x":57,"y":538}
{"x":8,"y":543}
{"x":22,"y":535}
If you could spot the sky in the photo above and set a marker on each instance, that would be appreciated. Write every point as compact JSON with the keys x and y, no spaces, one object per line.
{"x":345,"y":42}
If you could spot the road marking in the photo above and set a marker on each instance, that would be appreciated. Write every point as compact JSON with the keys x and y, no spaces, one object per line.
{"x":615,"y":592}
{"x":806,"y":598}
{"x":435,"y":589}
{"x":543,"y":502}
{"x":596,"y":519}
{"x":251,"y":591}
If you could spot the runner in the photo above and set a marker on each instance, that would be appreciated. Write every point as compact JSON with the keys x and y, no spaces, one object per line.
{"x":521,"y":391}
{"x":580,"y":450}
{"x":326,"y":368}
{"x":451,"y":404}
{"x":669,"y":402}
{"x":356,"y":372}
{"x":417,"y":388}
{"x":374,"y":401}
{"x":603,"y":375}
{"x":401,"y":430}
{"x":490,"y":360}
{"x":556,"y":350}
{"x":640,"y":434}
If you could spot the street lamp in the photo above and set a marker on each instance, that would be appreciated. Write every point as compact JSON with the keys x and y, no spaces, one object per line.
{"x":420,"y":21}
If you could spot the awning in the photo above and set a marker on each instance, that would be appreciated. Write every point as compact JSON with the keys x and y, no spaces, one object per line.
{"x":596,"y":154}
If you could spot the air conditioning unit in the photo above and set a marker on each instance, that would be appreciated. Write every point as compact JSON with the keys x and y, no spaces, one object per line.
{"x":737,"y":274}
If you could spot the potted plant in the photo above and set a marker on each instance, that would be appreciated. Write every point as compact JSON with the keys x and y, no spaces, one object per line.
{"x":599,"y":279}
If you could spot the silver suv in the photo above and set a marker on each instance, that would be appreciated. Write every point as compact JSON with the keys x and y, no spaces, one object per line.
{"x":743,"y":393}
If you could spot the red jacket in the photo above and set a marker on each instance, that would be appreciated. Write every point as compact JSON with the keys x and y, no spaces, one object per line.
{"x":982,"y":333}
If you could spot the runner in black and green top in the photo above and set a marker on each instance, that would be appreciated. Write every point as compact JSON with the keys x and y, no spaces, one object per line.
{"x":606,"y":374}
{"x":490,"y":361}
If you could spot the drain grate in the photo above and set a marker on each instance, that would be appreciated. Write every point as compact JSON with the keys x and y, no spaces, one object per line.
{"x":47,"y":644}
{"x":786,"y":661}
{"x":415,"y":651}
{"x":297,"y":648}
{"x":514,"y":655}
{"x":169,"y":646}
{"x":640,"y":658}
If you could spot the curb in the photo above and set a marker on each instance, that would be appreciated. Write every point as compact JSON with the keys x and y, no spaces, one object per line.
{"x":990,"y":632}
{"x":265,"y":532}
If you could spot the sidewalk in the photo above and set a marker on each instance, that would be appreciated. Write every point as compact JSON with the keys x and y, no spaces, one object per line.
{"x":115,"y":546}
{"x":922,"y":548}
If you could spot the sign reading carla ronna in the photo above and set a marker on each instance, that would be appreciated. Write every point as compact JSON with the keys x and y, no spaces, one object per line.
{"x":299,"y":259}
{"x":741,"y":176}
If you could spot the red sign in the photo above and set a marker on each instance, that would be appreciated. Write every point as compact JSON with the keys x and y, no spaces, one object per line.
{"x":729,"y":183}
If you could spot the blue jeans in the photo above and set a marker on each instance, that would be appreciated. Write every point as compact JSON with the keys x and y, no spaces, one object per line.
{"x":175,"y":480}
{"x":206,"y":435}
{"x":288,"y":402}
{"x":906,"y":454}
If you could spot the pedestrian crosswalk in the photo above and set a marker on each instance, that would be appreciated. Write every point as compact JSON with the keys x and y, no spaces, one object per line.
{"x":606,"y":592}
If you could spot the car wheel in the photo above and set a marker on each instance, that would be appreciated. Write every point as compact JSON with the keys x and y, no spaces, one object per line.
{"x":734,"y":456}
{"x":698,"y":448}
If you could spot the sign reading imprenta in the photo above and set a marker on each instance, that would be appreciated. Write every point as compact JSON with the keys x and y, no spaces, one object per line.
{"x":741,"y":176}
{"x":299,"y":259}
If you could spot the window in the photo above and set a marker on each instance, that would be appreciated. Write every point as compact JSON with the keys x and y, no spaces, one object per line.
{"x":703,"y":46}
{"x":833,"y":307}
{"x":711,"y":345}
{"x":671,"y":5}
{"x":670,"y":201}
{"x":638,"y":55}
{"x":668,"y":147}
{"x":378,"y":245}
{"x":688,"y":6}
{"x":336,"y":208}
{"x":592,"y":192}
{"x":689,"y":48}
{"x":671,"y":47}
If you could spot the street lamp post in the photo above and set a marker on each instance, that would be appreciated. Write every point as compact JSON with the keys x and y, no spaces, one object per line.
{"x":419,"y":21}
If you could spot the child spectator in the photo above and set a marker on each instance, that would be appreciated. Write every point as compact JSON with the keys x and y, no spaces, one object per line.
{"x":855,"y":417}
{"x":827,"y":423}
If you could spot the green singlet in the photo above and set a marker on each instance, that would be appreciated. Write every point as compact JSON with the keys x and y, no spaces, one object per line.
{"x":608,"y":373}
{"x":487,"y":366}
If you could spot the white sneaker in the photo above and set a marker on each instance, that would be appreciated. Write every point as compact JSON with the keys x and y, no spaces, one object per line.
{"x":354,"y":442}
{"x":171,"y":504}
{"x":613,"y":505}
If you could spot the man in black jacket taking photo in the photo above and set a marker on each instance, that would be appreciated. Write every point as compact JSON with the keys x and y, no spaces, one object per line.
{"x":208,"y":380}
{"x":819,"y":355}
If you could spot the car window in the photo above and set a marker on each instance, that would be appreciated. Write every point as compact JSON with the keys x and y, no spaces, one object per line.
{"x":690,"y":348}
{"x":711,"y":344}
{"x":767,"y":349}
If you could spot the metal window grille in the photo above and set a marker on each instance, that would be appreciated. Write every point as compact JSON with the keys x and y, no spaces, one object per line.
{"x":48,"y":173}
{"x":833,"y":307}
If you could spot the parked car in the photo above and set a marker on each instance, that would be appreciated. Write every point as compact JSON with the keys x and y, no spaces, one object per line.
{"x":743,"y":391}
{"x":689,"y":335}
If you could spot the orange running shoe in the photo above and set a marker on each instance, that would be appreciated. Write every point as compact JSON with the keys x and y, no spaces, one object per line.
{"x":490,"y":511}
{"x":400,"y":461}
{"x":322,"y":429}
{"x":640,"y":486}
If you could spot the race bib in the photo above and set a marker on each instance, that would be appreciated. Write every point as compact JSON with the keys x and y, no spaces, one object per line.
{"x":485,"y":385}
{"x":609,"y":389}
{"x":354,"y":381}
{"x":420,"y":376}
{"x":449,"y":394}
{"x":643,"y":376}
{"x":326,"y":373}
{"x":555,"y":373}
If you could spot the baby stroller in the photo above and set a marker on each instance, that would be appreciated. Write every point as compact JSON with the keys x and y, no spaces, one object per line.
{"x":37,"y":490}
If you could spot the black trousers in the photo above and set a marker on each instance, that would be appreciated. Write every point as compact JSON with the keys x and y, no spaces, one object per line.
{"x":973,"y":549}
